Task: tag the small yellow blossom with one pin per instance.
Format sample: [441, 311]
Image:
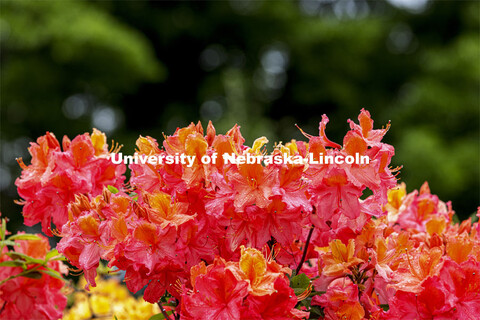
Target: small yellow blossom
[109, 299]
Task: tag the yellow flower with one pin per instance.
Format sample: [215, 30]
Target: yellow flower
[109, 299]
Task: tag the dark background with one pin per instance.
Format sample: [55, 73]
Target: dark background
[138, 67]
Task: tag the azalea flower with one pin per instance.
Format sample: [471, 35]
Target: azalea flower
[221, 240]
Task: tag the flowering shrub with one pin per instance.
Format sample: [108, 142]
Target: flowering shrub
[30, 277]
[286, 240]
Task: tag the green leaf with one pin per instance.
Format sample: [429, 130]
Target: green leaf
[3, 230]
[115, 317]
[167, 304]
[299, 283]
[112, 189]
[52, 253]
[316, 310]
[59, 258]
[32, 274]
[22, 256]
[52, 273]
[134, 196]
[159, 316]
[474, 217]
[23, 237]
[316, 293]
[12, 263]
[385, 307]
[8, 243]
[455, 219]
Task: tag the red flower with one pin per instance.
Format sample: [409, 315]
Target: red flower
[279, 305]
[53, 179]
[216, 295]
[28, 298]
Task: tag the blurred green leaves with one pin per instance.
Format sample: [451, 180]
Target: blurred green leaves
[53, 49]
[77, 33]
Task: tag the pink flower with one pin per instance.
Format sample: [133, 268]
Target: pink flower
[53, 179]
[216, 295]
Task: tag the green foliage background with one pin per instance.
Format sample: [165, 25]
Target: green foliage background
[141, 67]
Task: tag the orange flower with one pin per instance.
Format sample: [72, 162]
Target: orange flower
[258, 271]
[340, 258]
[163, 212]
[416, 267]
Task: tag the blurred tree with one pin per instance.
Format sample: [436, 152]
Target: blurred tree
[63, 63]
[439, 107]
[265, 65]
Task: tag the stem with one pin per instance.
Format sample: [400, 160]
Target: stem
[3, 307]
[19, 274]
[176, 315]
[163, 310]
[304, 255]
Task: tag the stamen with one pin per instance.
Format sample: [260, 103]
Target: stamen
[21, 164]
[305, 293]
[56, 233]
[309, 136]
[115, 148]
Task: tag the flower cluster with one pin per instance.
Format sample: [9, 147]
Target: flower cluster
[413, 261]
[30, 278]
[280, 241]
[252, 288]
[53, 178]
[180, 215]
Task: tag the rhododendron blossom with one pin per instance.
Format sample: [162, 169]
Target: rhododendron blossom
[283, 240]
[54, 177]
[30, 278]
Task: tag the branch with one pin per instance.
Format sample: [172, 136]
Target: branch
[163, 310]
[304, 255]
[176, 315]
[3, 306]
[20, 274]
